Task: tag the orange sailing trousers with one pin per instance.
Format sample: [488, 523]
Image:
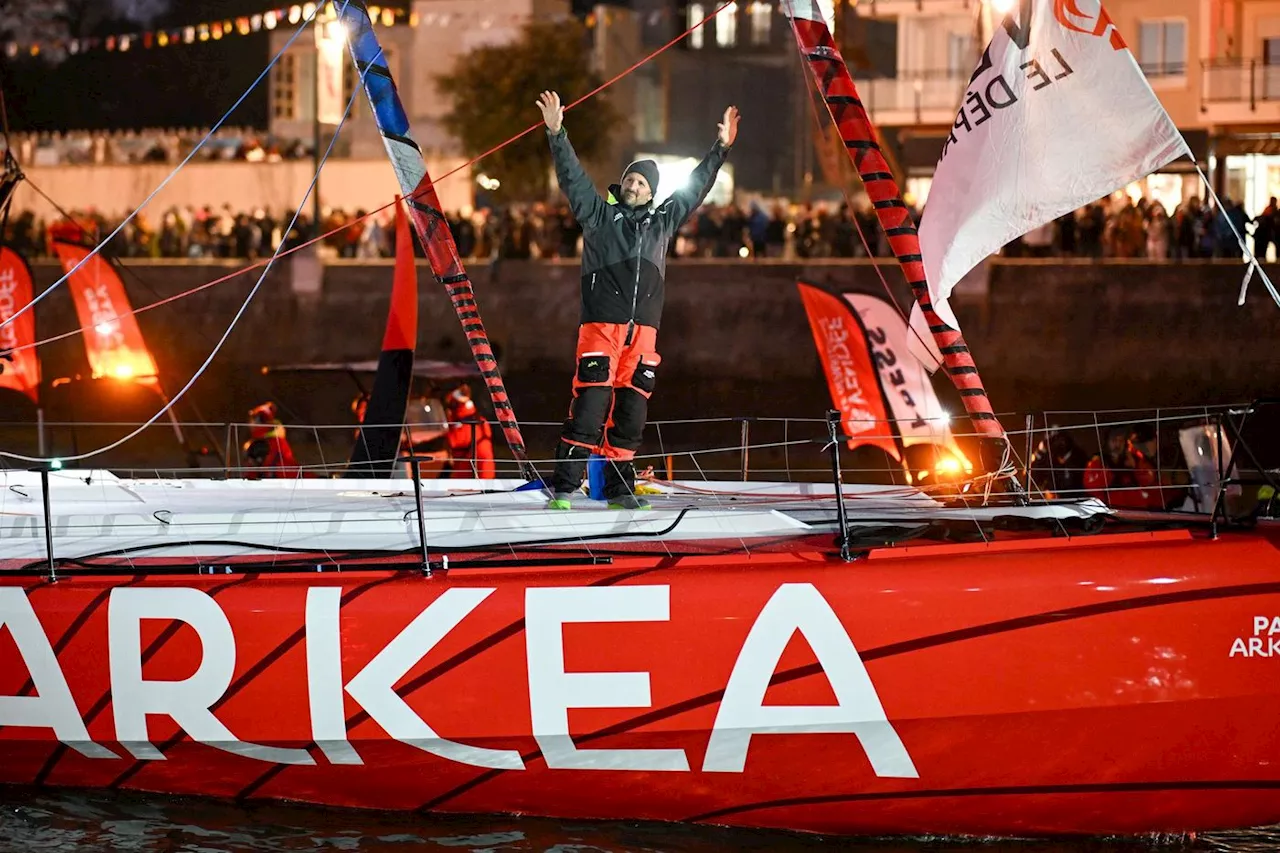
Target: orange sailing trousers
[616, 371]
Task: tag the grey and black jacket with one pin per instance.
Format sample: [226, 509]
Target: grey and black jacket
[624, 249]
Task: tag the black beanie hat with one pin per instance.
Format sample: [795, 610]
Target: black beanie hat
[648, 170]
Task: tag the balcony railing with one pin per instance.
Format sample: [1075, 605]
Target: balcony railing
[1240, 81]
[912, 91]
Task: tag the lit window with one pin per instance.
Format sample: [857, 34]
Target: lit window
[696, 16]
[727, 26]
[761, 22]
[284, 88]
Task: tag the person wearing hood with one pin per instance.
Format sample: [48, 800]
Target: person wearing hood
[624, 250]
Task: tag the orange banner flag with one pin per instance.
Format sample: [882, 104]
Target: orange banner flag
[21, 368]
[112, 338]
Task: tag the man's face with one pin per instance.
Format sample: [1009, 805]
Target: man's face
[635, 190]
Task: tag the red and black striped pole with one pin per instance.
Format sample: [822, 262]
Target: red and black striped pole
[426, 214]
[816, 45]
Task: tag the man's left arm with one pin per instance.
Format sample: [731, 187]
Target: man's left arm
[684, 201]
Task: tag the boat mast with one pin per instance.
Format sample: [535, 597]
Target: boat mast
[425, 212]
[834, 82]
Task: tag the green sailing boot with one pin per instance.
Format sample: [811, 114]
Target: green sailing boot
[560, 500]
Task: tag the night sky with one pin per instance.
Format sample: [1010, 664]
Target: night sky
[176, 86]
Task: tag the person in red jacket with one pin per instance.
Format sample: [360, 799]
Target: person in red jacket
[467, 428]
[1122, 477]
[267, 447]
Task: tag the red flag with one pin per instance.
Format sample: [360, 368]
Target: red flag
[21, 368]
[846, 358]
[402, 322]
[112, 338]
[378, 442]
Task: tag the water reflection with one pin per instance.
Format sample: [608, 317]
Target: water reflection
[43, 820]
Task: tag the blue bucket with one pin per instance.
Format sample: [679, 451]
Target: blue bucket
[595, 476]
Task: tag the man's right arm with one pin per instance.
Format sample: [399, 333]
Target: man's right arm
[588, 208]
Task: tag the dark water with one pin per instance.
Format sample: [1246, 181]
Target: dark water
[54, 821]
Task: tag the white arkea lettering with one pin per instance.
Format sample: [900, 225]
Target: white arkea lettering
[374, 686]
[552, 691]
[186, 702]
[800, 607]
[53, 706]
[324, 675]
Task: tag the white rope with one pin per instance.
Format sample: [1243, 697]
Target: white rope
[1250, 261]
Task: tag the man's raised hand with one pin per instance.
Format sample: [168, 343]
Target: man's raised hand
[552, 112]
[728, 127]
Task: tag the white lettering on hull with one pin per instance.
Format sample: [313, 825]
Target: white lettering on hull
[800, 607]
[374, 686]
[186, 702]
[552, 691]
[52, 706]
[1264, 643]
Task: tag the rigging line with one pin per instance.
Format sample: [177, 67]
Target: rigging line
[226, 334]
[810, 89]
[24, 309]
[465, 166]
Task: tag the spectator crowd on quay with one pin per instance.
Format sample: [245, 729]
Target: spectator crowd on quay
[1104, 229]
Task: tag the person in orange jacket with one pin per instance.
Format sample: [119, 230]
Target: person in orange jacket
[468, 429]
[267, 447]
[1122, 477]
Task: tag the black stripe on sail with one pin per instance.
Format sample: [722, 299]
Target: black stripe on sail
[911, 259]
[939, 329]
[453, 279]
[369, 69]
[403, 140]
[954, 350]
[423, 207]
[973, 392]
[868, 144]
[982, 416]
[876, 176]
[886, 204]
[847, 100]
[956, 371]
[902, 231]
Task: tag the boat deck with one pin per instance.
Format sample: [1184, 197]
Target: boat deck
[97, 516]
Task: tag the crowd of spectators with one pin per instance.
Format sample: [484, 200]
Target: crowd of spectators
[169, 145]
[1117, 228]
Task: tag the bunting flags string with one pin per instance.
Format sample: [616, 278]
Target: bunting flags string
[295, 14]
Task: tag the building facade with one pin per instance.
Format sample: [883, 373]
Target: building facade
[1215, 64]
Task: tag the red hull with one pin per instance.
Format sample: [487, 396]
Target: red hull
[1090, 685]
